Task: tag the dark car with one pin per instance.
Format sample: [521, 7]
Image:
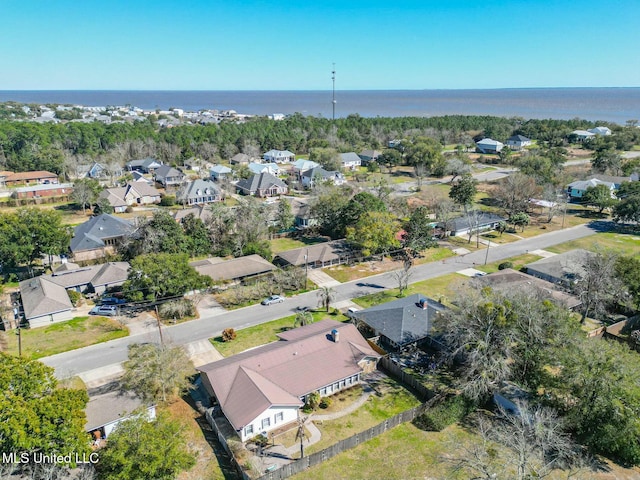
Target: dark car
[112, 301]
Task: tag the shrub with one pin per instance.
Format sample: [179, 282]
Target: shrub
[450, 411]
[505, 265]
[177, 309]
[129, 209]
[168, 200]
[228, 334]
[75, 297]
[325, 402]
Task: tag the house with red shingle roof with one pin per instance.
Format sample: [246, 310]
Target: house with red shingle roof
[261, 389]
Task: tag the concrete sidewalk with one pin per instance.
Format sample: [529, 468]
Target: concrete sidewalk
[321, 279]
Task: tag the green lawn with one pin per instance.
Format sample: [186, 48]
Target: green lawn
[518, 262]
[404, 452]
[282, 244]
[391, 399]
[64, 336]
[440, 288]
[625, 243]
[264, 333]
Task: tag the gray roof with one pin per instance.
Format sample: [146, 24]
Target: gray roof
[109, 407]
[402, 321]
[92, 233]
[564, 267]
[349, 157]
[220, 169]
[199, 188]
[236, 268]
[167, 171]
[518, 138]
[593, 182]
[200, 211]
[241, 158]
[484, 219]
[319, 172]
[42, 297]
[262, 181]
[144, 162]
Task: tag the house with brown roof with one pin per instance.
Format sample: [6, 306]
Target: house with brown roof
[261, 389]
[262, 185]
[316, 256]
[133, 193]
[30, 178]
[239, 268]
[3, 177]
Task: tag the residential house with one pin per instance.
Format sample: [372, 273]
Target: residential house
[581, 135]
[316, 256]
[258, 168]
[518, 142]
[476, 221]
[600, 131]
[509, 279]
[350, 160]
[302, 165]
[303, 217]
[105, 412]
[219, 172]
[240, 159]
[144, 165]
[262, 389]
[279, 156]
[137, 176]
[577, 189]
[367, 156]
[43, 190]
[98, 237]
[401, 323]
[316, 175]
[133, 193]
[263, 185]
[192, 164]
[3, 177]
[235, 269]
[99, 171]
[489, 146]
[40, 177]
[564, 268]
[169, 176]
[45, 299]
[199, 192]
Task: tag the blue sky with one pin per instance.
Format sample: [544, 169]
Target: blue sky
[291, 45]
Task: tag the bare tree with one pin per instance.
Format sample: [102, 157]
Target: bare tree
[445, 210]
[514, 192]
[403, 275]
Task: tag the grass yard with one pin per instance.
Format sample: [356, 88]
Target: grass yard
[625, 243]
[72, 382]
[495, 237]
[64, 336]
[282, 244]
[392, 399]
[518, 262]
[211, 460]
[264, 333]
[347, 273]
[441, 288]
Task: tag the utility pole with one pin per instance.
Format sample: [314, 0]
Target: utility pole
[159, 326]
[333, 101]
[306, 270]
[486, 257]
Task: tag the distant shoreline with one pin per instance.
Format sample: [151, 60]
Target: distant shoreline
[607, 104]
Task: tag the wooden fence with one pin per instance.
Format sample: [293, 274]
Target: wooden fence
[223, 441]
[394, 370]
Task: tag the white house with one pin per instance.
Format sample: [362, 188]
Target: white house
[350, 160]
[259, 168]
[487, 145]
[582, 135]
[600, 131]
[302, 165]
[279, 156]
[578, 188]
[518, 142]
[261, 389]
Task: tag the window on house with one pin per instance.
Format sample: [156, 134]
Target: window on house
[279, 417]
[248, 430]
[266, 422]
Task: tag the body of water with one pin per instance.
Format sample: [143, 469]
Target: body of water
[607, 104]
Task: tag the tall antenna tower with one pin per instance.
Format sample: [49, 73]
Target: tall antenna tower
[333, 101]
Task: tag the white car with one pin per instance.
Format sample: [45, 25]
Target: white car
[105, 310]
[273, 299]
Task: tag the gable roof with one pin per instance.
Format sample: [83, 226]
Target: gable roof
[109, 407]
[36, 175]
[91, 234]
[42, 297]
[304, 164]
[198, 188]
[319, 172]
[349, 157]
[202, 211]
[166, 171]
[592, 182]
[220, 169]
[277, 154]
[483, 219]
[489, 142]
[403, 321]
[518, 138]
[264, 167]
[241, 267]
[262, 181]
[281, 372]
[241, 158]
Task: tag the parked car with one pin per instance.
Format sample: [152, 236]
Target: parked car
[106, 310]
[273, 299]
[351, 313]
[112, 301]
[303, 309]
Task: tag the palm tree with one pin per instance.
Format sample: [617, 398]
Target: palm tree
[326, 296]
[302, 319]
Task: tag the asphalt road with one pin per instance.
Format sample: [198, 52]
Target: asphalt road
[101, 355]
